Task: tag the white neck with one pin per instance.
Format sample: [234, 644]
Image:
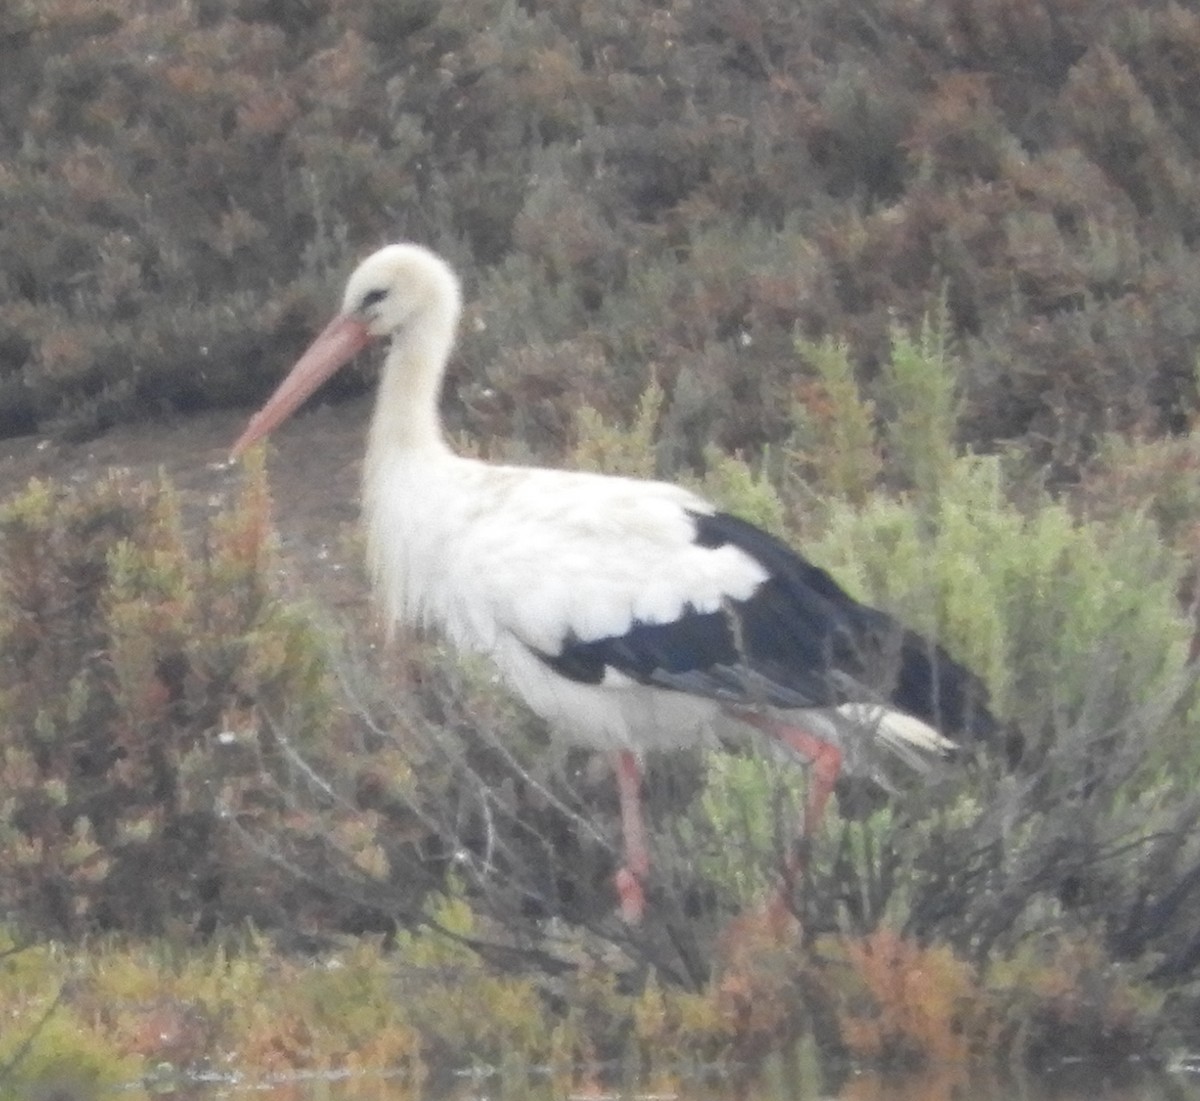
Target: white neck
[406, 416]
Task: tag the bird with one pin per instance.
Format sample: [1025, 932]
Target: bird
[631, 615]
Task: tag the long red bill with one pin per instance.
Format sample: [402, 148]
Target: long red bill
[343, 338]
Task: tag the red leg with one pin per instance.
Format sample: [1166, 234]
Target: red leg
[633, 829]
[826, 762]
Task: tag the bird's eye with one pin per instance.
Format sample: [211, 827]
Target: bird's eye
[370, 298]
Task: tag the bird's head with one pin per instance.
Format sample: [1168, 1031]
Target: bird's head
[401, 287]
[400, 292]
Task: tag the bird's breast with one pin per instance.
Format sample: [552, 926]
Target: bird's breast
[417, 519]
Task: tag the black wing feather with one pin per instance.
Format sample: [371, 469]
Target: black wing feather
[798, 641]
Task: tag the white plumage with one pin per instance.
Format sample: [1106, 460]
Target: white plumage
[629, 614]
[504, 562]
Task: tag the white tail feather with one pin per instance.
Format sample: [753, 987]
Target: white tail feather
[916, 743]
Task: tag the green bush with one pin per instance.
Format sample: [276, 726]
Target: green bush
[1081, 820]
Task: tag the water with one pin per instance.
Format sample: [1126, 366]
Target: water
[1070, 1083]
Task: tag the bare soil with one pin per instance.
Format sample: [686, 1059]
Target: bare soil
[314, 466]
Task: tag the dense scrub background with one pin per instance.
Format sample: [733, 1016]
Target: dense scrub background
[682, 186]
[929, 271]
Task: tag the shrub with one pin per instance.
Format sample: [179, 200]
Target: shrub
[153, 700]
[1074, 622]
[687, 189]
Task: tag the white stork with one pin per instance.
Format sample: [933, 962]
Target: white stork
[630, 615]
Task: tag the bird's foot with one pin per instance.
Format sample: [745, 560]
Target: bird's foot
[633, 898]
